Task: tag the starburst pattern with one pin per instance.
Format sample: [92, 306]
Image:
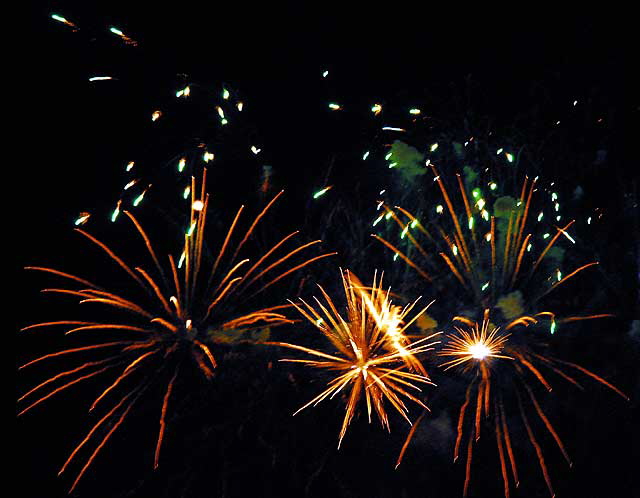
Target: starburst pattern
[498, 364]
[490, 256]
[372, 351]
[168, 318]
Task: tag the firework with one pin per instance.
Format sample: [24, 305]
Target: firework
[374, 358]
[184, 308]
[491, 256]
[498, 363]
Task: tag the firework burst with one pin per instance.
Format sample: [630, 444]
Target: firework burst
[182, 310]
[490, 256]
[374, 358]
[498, 363]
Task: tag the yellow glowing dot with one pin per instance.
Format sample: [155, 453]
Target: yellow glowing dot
[197, 205]
[156, 115]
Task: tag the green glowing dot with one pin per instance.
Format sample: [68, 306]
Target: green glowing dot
[433, 147]
[116, 31]
[493, 185]
[365, 155]
[225, 93]
[509, 157]
[552, 329]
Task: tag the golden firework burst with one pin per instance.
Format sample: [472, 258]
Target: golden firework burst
[371, 351]
[484, 353]
[168, 317]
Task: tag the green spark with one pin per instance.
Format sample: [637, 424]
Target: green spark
[138, 199]
[321, 192]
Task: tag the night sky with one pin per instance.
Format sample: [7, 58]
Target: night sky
[518, 71]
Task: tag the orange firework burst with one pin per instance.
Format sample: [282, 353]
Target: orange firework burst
[372, 350]
[489, 354]
[180, 310]
[492, 256]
